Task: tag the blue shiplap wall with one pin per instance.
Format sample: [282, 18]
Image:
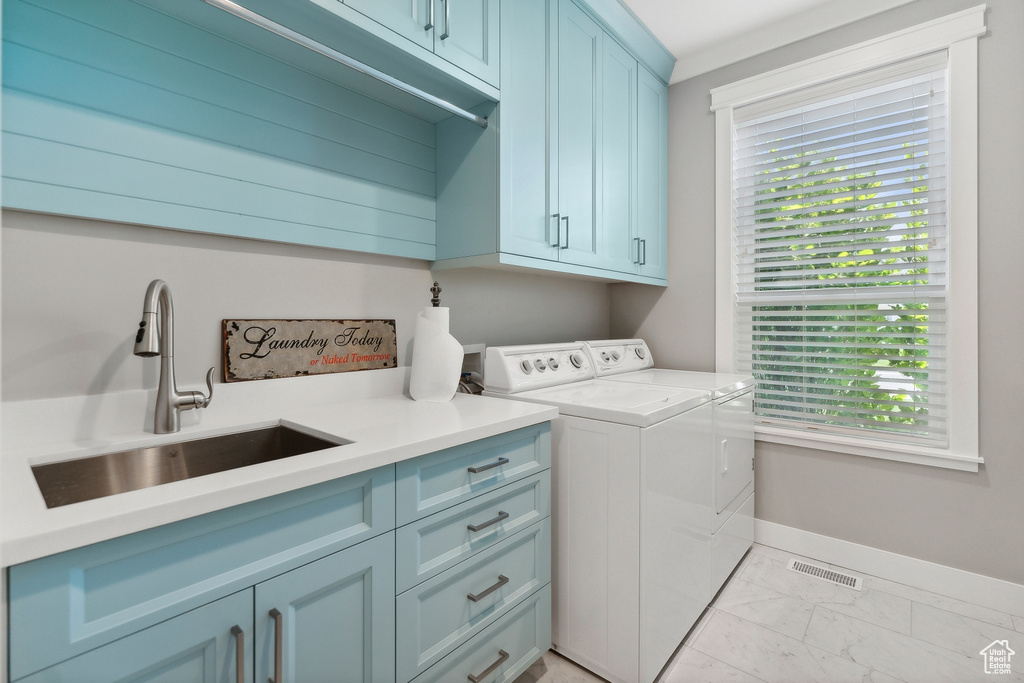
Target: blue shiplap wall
[113, 110]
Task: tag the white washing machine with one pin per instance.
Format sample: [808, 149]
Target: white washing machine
[630, 470]
[732, 524]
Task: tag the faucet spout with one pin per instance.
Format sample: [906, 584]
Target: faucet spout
[152, 340]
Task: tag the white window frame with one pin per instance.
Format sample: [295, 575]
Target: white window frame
[958, 34]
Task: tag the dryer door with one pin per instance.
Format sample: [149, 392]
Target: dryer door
[734, 448]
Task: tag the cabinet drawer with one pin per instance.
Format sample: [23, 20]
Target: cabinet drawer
[438, 615]
[94, 595]
[433, 482]
[524, 634]
[430, 545]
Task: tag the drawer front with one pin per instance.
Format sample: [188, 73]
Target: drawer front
[430, 545]
[438, 615]
[433, 482]
[94, 595]
[514, 642]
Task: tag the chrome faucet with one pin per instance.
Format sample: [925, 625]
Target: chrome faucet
[149, 341]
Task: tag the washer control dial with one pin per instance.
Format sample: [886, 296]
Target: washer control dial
[576, 359]
[640, 353]
[526, 367]
[540, 365]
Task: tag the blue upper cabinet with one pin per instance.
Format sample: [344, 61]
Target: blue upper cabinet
[411, 19]
[581, 186]
[579, 147]
[463, 32]
[651, 227]
[467, 34]
[618, 135]
[179, 115]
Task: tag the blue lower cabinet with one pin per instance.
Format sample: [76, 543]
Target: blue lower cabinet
[302, 588]
[200, 646]
[441, 613]
[331, 620]
[503, 652]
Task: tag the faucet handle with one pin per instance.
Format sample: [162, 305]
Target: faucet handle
[203, 401]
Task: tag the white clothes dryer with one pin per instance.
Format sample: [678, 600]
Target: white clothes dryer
[732, 522]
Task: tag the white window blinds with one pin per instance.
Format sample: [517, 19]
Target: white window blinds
[841, 254]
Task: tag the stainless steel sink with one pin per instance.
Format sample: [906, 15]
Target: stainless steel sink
[73, 481]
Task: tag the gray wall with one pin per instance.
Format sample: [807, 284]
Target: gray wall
[965, 520]
[73, 290]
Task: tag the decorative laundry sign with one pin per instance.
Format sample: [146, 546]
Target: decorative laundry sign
[269, 349]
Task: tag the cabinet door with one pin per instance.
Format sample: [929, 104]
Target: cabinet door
[408, 18]
[617, 172]
[528, 228]
[197, 646]
[579, 114]
[466, 34]
[650, 248]
[337, 618]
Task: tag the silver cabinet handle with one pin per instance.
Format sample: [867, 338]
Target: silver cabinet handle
[278, 644]
[447, 19]
[239, 635]
[643, 261]
[637, 259]
[484, 468]
[430, 17]
[478, 527]
[558, 230]
[502, 656]
[566, 246]
[502, 580]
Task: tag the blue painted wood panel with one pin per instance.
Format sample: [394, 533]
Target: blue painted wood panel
[472, 42]
[437, 615]
[197, 646]
[338, 617]
[528, 89]
[431, 545]
[525, 634]
[579, 123]
[652, 174]
[183, 129]
[617, 172]
[433, 482]
[96, 594]
[407, 18]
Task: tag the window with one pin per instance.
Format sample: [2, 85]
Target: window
[847, 240]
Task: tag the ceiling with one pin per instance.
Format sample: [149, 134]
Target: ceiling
[708, 34]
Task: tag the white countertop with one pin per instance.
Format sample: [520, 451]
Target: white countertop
[384, 425]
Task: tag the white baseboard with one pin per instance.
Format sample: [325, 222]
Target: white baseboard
[1003, 596]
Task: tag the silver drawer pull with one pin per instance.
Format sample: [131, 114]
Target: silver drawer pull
[484, 468]
[239, 635]
[477, 527]
[502, 580]
[278, 618]
[502, 656]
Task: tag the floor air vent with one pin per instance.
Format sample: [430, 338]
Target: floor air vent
[825, 574]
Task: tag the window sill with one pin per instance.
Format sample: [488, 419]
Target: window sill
[932, 457]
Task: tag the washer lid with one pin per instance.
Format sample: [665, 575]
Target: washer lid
[640, 405]
[718, 382]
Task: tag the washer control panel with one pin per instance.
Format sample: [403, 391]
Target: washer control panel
[511, 369]
[614, 356]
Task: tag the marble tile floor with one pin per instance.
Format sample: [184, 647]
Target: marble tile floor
[773, 625]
